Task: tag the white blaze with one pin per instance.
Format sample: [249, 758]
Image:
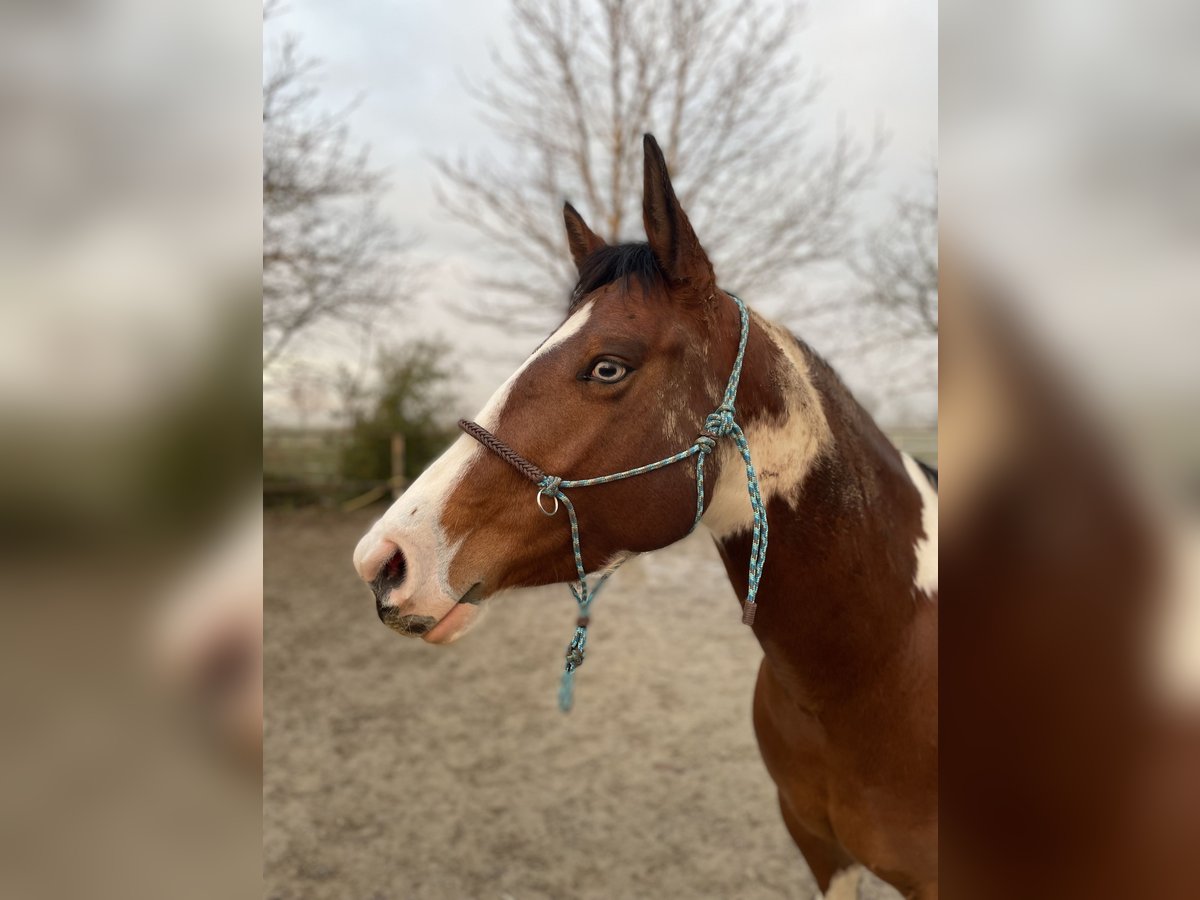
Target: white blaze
[415, 519]
[489, 416]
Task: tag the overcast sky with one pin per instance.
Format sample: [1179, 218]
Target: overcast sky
[408, 60]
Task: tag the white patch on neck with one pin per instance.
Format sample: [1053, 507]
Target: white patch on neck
[783, 449]
[926, 548]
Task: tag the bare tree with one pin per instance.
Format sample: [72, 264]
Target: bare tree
[328, 256]
[720, 85]
[900, 269]
[890, 317]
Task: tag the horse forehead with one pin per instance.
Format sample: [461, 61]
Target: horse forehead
[454, 468]
[575, 323]
[610, 306]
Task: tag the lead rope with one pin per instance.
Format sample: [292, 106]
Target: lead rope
[718, 424]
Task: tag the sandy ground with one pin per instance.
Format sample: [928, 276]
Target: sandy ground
[394, 769]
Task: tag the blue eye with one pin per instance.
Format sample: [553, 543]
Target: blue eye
[608, 371]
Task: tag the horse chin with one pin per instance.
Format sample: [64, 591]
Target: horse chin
[461, 619]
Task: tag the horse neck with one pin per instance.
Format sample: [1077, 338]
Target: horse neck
[838, 599]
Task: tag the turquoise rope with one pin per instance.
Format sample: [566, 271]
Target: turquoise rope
[718, 424]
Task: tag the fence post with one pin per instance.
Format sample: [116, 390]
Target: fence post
[397, 480]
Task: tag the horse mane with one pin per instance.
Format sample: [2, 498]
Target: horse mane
[617, 262]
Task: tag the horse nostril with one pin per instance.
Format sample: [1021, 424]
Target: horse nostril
[395, 567]
[390, 576]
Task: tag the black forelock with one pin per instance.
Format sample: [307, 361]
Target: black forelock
[617, 262]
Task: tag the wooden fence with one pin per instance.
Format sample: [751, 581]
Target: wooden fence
[304, 465]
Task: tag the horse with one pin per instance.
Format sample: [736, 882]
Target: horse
[846, 612]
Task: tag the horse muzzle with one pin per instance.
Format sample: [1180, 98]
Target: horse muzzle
[409, 598]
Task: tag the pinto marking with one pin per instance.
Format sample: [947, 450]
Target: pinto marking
[846, 883]
[783, 449]
[925, 550]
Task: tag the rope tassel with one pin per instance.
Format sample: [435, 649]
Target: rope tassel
[575, 653]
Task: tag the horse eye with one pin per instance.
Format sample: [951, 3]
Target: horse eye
[608, 371]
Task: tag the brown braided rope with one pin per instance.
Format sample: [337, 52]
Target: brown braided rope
[502, 450]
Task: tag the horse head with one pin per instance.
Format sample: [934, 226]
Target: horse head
[629, 376]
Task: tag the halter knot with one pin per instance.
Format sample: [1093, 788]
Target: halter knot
[720, 422]
[706, 442]
[549, 485]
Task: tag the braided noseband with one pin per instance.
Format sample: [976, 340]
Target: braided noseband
[718, 424]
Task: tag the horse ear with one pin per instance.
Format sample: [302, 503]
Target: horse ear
[671, 237]
[581, 239]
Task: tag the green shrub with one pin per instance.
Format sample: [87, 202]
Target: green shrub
[411, 393]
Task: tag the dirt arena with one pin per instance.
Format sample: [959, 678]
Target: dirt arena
[394, 769]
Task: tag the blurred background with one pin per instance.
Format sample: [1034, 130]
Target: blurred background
[416, 159]
[150, 150]
[130, 569]
[1069, 392]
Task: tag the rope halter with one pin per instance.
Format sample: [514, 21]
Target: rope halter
[720, 423]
